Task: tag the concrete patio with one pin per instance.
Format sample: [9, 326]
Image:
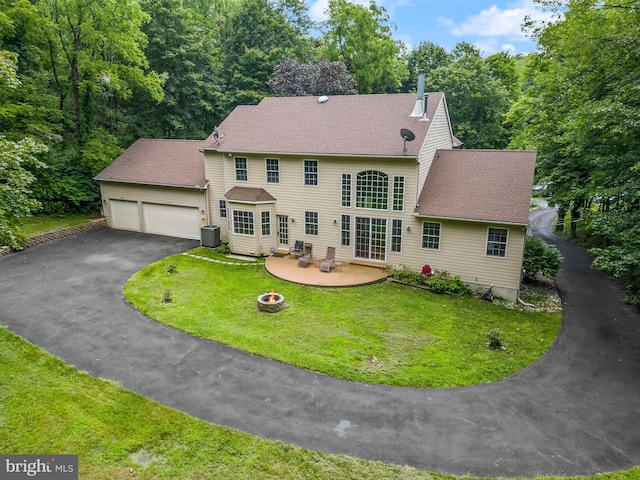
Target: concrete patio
[342, 275]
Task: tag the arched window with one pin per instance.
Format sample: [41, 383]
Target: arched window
[372, 190]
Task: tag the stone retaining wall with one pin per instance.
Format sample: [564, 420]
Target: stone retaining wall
[60, 233]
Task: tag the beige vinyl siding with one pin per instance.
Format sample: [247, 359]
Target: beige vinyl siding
[463, 252]
[214, 165]
[439, 136]
[256, 244]
[293, 198]
[141, 194]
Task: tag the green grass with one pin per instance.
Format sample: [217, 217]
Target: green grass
[383, 333]
[48, 407]
[45, 223]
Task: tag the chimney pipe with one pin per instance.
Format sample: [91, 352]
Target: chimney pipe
[421, 84]
[420, 107]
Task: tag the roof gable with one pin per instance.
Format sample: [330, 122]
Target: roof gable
[479, 185]
[367, 125]
[177, 163]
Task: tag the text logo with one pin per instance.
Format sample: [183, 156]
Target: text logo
[49, 467]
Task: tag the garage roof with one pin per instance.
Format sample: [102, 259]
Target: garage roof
[177, 163]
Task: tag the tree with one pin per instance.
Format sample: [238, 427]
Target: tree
[361, 38]
[185, 53]
[581, 113]
[258, 36]
[96, 58]
[291, 78]
[478, 101]
[428, 57]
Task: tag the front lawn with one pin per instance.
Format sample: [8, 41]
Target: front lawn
[48, 407]
[382, 333]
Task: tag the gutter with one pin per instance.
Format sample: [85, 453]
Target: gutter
[313, 155]
[199, 187]
[474, 220]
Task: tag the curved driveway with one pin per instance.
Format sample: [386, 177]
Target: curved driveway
[574, 412]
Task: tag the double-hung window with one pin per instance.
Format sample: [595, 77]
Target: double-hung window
[266, 222]
[345, 231]
[272, 166]
[222, 205]
[431, 235]
[396, 236]
[497, 242]
[346, 190]
[311, 172]
[398, 194]
[311, 223]
[242, 173]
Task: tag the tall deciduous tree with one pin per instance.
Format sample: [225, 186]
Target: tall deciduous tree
[426, 56]
[184, 52]
[361, 37]
[291, 78]
[478, 101]
[582, 114]
[96, 58]
[258, 35]
[16, 157]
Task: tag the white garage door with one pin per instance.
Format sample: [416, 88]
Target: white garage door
[171, 220]
[124, 215]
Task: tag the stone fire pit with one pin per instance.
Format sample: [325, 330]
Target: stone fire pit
[271, 302]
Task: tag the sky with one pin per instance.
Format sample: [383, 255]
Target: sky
[491, 25]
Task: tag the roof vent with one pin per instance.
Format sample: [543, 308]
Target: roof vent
[323, 99]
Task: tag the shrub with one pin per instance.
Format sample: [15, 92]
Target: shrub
[166, 297]
[540, 258]
[458, 287]
[171, 267]
[495, 339]
[223, 248]
[438, 285]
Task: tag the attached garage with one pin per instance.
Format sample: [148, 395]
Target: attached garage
[171, 220]
[125, 215]
[157, 186]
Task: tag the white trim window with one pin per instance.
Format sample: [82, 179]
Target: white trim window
[431, 235]
[497, 239]
[345, 231]
[242, 171]
[272, 170]
[396, 235]
[311, 173]
[266, 223]
[222, 206]
[243, 222]
[372, 190]
[346, 190]
[311, 223]
[398, 194]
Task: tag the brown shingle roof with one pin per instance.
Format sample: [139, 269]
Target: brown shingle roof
[481, 185]
[344, 125]
[159, 162]
[249, 194]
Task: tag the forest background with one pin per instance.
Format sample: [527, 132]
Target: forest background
[80, 80]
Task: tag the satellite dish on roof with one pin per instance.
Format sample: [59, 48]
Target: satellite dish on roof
[408, 136]
[323, 99]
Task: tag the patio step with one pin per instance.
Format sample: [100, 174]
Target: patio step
[364, 263]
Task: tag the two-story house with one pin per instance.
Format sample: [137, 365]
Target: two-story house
[378, 177]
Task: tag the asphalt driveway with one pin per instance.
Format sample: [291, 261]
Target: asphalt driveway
[574, 412]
